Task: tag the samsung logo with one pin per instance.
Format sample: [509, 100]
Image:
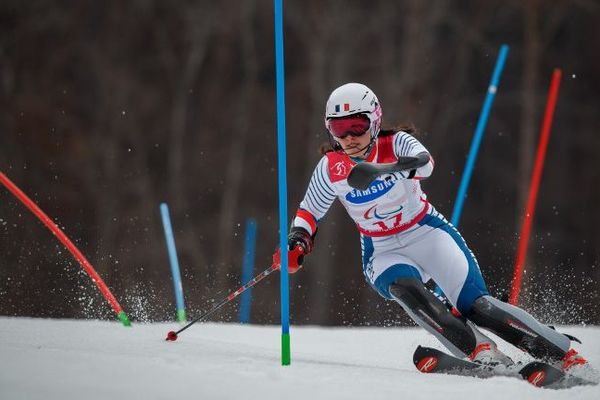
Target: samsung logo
[377, 189]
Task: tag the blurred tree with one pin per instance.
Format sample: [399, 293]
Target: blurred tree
[110, 108]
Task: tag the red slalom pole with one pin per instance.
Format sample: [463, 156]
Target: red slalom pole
[85, 264]
[534, 187]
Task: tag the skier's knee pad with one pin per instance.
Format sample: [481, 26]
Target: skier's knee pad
[404, 287]
[413, 295]
[519, 328]
[433, 315]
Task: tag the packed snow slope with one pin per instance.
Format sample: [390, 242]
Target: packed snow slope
[76, 359]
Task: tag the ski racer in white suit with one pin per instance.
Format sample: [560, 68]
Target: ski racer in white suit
[405, 241]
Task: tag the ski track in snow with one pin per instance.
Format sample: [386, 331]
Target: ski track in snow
[86, 359]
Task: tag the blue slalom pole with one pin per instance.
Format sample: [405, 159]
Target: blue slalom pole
[282, 181]
[164, 212]
[480, 129]
[247, 267]
[476, 142]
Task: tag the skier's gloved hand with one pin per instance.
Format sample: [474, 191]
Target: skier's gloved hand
[300, 243]
[300, 237]
[295, 258]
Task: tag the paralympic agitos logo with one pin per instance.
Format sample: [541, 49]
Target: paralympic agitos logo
[377, 189]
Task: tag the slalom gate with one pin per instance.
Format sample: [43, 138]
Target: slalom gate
[85, 264]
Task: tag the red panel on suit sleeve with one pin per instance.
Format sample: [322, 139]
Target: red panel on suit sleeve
[385, 151]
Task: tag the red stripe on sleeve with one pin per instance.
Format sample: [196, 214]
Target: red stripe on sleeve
[308, 217]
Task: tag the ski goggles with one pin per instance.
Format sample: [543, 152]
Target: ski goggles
[353, 125]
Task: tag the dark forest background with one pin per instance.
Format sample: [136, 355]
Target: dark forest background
[110, 108]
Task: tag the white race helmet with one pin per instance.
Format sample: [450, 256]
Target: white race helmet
[354, 98]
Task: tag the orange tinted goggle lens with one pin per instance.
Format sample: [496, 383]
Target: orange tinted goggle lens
[354, 125]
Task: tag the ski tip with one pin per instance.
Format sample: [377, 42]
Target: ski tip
[540, 374]
[427, 364]
[425, 359]
[537, 378]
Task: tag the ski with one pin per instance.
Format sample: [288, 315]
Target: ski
[540, 374]
[430, 360]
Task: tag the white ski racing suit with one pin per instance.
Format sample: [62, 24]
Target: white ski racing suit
[402, 235]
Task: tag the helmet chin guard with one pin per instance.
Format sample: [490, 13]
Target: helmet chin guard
[354, 98]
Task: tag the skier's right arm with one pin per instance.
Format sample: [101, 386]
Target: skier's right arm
[317, 200]
[319, 196]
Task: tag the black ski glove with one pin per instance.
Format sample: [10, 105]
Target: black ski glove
[300, 237]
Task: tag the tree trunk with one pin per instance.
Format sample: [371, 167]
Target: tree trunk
[234, 171]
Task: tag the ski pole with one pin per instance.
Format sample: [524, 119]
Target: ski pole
[172, 335]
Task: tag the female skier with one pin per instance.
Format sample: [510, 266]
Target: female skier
[405, 241]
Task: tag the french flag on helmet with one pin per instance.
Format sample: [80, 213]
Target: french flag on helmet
[339, 107]
[354, 98]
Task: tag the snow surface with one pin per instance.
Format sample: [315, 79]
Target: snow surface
[84, 359]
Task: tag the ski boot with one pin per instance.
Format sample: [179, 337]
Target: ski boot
[576, 365]
[486, 351]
